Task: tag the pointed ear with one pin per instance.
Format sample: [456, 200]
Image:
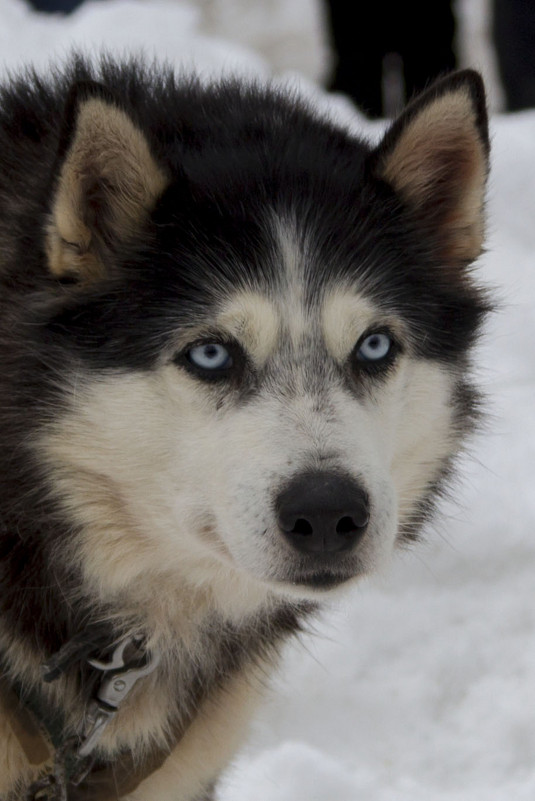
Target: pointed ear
[107, 184]
[435, 157]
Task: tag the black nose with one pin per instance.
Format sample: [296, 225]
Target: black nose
[323, 512]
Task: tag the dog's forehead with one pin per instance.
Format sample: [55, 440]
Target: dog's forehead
[298, 308]
[261, 323]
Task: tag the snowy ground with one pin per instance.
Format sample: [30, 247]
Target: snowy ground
[420, 685]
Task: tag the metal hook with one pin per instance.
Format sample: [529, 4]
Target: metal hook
[112, 692]
[117, 657]
[114, 689]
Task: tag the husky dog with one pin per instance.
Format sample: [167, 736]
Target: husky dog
[234, 356]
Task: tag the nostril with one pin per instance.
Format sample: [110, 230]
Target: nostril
[346, 526]
[302, 526]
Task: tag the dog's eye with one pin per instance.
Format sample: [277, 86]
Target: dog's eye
[210, 357]
[374, 347]
[211, 360]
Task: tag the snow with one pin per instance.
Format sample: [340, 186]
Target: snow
[418, 685]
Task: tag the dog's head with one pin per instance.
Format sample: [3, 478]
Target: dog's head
[263, 330]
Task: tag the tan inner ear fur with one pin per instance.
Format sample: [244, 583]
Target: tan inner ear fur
[439, 166]
[110, 152]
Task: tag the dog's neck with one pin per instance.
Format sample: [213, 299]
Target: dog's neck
[163, 701]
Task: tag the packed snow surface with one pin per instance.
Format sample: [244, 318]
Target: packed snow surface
[420, 684]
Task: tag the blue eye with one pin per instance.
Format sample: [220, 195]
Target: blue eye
[374, 347]
[211, 356]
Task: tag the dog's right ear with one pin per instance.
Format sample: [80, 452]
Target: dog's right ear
[435, 157]
[108, 181]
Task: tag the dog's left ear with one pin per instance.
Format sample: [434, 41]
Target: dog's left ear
[435, 157]
[108, 181]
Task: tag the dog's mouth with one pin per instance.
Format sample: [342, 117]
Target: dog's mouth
[323, 573]
[300, 570]
[318, 577]
[323, 580]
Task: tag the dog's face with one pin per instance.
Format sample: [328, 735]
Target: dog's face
[312, 433]
[279, 393]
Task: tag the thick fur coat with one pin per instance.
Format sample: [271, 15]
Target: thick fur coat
[234, 353]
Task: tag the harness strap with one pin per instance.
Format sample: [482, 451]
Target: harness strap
[105, 782]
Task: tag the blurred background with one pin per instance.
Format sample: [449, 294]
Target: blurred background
[376, 53]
